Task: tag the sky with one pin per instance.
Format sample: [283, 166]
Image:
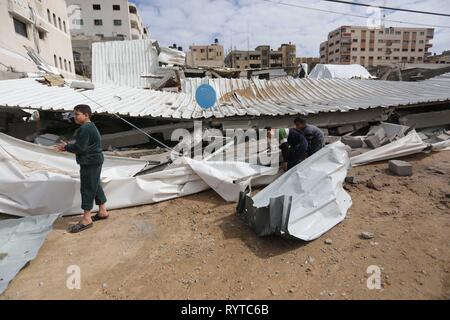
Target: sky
[245, 24]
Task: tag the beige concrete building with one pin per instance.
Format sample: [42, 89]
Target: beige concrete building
[41, 25]
[106, 18]
[443, 58]
[206, 55]
[101, 20]
[262, 57]
[373, 47]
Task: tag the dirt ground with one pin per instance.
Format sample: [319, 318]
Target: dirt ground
[196, 248]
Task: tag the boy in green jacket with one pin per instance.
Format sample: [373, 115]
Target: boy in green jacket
[89, 156]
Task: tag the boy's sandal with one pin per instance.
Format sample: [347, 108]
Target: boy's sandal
[97, 217]
[80, 227]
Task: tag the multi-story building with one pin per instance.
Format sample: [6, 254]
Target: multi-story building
[105, 18]
[41, 25]
[206, 55]
[262, 57]
[373, 47]
[101, 20]
[443, 58]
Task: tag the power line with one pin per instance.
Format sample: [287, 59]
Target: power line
[352, 14]
[389, 8]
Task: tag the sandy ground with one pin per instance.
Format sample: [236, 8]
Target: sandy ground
[196, 248]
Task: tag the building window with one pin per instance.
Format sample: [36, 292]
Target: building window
[55, 60]
[20, 27]
[79, 22]
[76, 56]
[98, 22]
[117, 22]
[96, 7]
[54, 20]
[64, 26]
[59, 23]
[380, 49]
[355, 40]
[65, 64]
[116, 7]
[363, 49]
[49, 16]
[354, 49]
[60, 63]
[41, 34]
[70, 66]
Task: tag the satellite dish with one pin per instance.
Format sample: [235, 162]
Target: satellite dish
[206, 96]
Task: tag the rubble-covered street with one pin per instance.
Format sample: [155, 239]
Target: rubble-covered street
[197, 248]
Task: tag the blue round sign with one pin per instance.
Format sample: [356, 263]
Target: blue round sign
[205, 96]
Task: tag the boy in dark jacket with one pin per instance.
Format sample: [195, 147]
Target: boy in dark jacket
[89, 156]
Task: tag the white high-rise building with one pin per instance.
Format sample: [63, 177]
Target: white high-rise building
[106, 19]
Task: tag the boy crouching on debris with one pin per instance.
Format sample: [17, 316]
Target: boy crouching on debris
[89, 156]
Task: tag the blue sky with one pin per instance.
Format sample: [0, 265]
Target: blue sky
[238, 23]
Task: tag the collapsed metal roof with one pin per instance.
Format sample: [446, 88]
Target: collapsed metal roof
[236, 97]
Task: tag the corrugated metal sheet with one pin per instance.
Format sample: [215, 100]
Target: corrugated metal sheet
[236, 97]
[122, 63]
[20, 241]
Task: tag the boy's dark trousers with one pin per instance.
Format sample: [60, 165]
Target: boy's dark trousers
[91, 188]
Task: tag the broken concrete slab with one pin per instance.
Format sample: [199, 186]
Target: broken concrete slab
[373, 142]
[353, 142]
[427, 119]
[443, 137]
[400, 168]
[344, 129]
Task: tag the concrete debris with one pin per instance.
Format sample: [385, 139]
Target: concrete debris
[373, 142]
[443, 137]
[353, 142]
[366, 235]
[328, 241]
[350, 179]
[400, 168]
[344, 129]
[427, 119]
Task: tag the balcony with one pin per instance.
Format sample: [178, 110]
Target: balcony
[20, 10]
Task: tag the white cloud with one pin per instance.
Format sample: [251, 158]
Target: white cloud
[259, 22]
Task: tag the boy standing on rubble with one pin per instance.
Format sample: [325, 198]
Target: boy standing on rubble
[89, 156]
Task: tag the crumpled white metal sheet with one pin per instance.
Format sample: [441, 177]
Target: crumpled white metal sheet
[20, 241]
[236, 97]
[311, 198]
[410, 144]
[121, 63]
[36, 180]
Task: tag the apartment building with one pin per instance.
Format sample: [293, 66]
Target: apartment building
[373, 47]
[443, 58]
[106, 18]
[262, 57]
[38, 24]
[206, 55]
[101, 20]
